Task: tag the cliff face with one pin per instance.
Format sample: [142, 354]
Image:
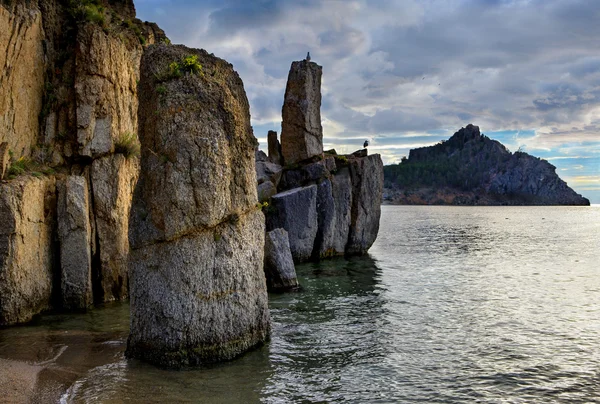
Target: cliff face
[471, 169]
[68, 116]
[21, 86]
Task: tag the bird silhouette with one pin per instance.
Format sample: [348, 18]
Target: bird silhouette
[308, 56]
[365, 144]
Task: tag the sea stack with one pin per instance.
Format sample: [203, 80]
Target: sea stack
[301, 130]
[197, 286]
[328, 204]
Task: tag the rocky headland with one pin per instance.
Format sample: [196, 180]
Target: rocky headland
[472, 169]
[129, 170]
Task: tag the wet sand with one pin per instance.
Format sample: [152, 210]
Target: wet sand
[18, 381]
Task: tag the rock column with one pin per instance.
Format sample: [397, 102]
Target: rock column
[301, 130]
[197, 286]
[74, 233]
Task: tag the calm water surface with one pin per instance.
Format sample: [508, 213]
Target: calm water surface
[477, 304]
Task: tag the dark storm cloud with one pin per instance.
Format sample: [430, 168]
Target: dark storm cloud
[393, 70]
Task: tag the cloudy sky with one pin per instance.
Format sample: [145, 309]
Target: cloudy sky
[408, 73]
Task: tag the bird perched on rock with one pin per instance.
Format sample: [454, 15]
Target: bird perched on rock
[308, 56]
[365, 144]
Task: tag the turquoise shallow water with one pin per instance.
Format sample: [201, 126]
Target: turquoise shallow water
[454, 304]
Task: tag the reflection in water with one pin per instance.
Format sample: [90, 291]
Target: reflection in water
[453, 305]
[327, 337]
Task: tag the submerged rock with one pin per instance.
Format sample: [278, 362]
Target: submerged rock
[279, 263]
[301, 130]
[27, 209]
[74, 234]
[197, 285]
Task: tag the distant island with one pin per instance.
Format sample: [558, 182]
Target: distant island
[472, 169]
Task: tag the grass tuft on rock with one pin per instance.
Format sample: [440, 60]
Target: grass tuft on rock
[128, 145]
[25, 165]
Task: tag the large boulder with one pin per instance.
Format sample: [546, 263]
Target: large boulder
[301, 130]
[279, 264]
[267, 171]
[197, 285]
[367, 190]
[200, 299]
[296, 212]
[74, 234]
[27, 206]
[266, 190]
[303, 175]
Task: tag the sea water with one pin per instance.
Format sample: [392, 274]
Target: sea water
[453, 304]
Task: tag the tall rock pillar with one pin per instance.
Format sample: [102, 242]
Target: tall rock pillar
[301, 130]
[197, 286]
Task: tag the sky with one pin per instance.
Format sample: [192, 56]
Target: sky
[409, 73]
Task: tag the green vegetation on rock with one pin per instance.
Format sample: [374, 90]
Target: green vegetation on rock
[127, 145]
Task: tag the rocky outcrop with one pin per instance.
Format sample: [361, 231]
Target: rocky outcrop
[328, 204]
[197, 286]
[74, 235]
[472, 169]
[279, 263]
[329, 213]
[301, 130]
[27, 216]
[107, 71]
[296, 212]
[367, 184]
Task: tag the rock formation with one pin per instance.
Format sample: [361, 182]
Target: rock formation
[279, 263]
[197, 286]
[472, 169]
[295, 211]
[275, 154]
[68, 113]
[328, 204]
[74, 234]
[301, 130]
[27, 251]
